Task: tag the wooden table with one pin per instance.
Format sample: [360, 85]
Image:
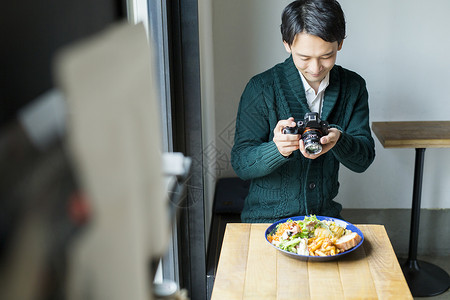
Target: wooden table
[424, 279]
[424, 134]
[249, 268]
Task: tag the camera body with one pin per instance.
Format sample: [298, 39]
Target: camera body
[311, 129]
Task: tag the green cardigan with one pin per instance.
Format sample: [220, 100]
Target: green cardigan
[283, 187]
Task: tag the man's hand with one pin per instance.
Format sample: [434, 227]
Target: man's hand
[328, 141]
[286, 143]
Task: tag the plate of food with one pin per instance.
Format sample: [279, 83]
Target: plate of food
[314, 238]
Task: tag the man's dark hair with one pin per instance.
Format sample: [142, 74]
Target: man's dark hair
[322, 18]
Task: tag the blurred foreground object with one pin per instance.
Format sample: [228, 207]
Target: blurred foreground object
[41, 215]
[113, 134]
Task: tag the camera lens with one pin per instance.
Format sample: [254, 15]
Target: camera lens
[313, 148]
[311, 138]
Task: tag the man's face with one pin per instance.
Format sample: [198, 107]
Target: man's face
[313, 56]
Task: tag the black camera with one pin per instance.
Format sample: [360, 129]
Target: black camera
[311, 130]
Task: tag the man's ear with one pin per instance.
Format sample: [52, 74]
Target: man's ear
[340, 45]
[287, 47]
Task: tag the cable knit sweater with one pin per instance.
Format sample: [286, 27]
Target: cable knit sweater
[282, 187]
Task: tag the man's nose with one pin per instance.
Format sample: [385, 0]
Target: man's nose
[315, 66]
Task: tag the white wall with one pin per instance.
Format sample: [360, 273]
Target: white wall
[402, 50]
[208, 103]
[247, 40]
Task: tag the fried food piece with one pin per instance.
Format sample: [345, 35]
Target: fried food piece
[348, 241]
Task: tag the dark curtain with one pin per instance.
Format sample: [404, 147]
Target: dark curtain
[187, 135]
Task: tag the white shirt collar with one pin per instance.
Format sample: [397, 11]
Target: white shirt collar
[315, 101]
[323, 84]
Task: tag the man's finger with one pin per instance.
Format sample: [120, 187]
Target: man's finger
[285, 123]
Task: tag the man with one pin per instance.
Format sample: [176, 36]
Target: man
[286, 182]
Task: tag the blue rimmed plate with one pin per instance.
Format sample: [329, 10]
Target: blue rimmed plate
[339, 222]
